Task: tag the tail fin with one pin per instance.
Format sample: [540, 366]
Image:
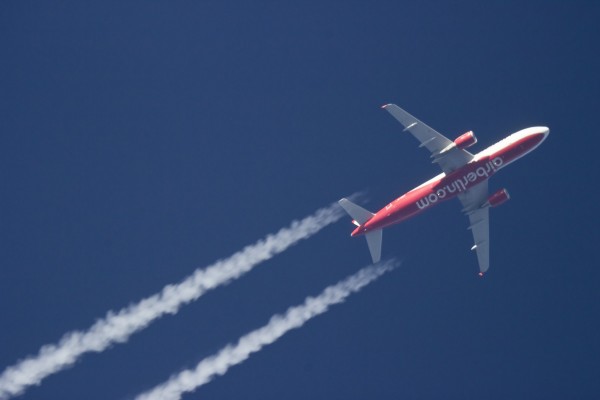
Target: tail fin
[360, 216]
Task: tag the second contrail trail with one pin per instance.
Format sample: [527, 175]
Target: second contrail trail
[294, 317]
[117, 327]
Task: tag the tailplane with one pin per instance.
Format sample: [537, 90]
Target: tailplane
[374, 240]
[360, 216]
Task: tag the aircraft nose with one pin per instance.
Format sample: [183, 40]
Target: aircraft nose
[545, 131]
[539, 132]
[536, 130]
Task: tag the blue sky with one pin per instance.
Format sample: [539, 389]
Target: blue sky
[141, 141]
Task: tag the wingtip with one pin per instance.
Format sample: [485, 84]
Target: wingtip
[480, 274]
[386, 105]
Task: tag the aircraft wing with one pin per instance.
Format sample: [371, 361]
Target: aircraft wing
[435, 142]
[479, 221]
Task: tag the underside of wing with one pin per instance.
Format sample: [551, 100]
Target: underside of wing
[480, 226]
[441, 148]
[473, 201]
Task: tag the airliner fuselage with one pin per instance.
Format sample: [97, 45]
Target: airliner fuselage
[444, 187]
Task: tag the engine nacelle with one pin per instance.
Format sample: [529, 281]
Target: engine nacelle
[498, 198]
[465, 140]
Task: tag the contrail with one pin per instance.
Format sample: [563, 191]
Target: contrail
[294, 317]
[117, 327]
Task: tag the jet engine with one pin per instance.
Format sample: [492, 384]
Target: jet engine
[500, 197]
[465, 140]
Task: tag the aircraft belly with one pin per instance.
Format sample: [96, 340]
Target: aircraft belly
[438, 191]
[395, 214]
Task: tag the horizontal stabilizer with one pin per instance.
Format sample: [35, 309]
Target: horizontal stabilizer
[374, 239]
[358, 213]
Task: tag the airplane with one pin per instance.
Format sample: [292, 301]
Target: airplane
[465, 175]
